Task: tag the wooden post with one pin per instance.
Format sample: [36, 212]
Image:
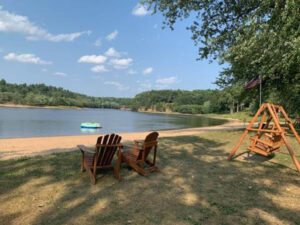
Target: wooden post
[290, 124]
[246, 131]
[261, 123]
[294, 158]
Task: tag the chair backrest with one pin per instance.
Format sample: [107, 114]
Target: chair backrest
[277, 140]
[106, 148]
[149, 143]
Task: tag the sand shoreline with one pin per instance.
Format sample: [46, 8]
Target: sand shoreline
[27, 147]
[8, 105]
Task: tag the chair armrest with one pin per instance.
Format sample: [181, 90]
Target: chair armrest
[131, 147]
[85, 149]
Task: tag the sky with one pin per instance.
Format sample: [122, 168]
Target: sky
[97, 47]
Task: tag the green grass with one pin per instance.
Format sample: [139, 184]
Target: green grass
[241, 116]
[197, 185]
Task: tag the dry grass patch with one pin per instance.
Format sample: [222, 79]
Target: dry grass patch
[197, 185]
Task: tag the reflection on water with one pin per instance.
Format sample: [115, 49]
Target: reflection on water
[89, 130]
[32, 122]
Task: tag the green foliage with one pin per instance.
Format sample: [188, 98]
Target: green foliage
[192, 102]
[160, 107]
[252, 37]
[191, 109]
[42, 95]
[206, 107]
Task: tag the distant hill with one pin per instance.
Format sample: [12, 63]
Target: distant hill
[192, 102]
[43, 95]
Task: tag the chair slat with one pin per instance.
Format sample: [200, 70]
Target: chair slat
[110, 149]
[107, 150]
[117, 140]
[103, 149]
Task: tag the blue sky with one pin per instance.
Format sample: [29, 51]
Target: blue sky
[100, 48]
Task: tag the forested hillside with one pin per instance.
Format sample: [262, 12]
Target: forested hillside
[198, 101]
[42, 95]
[224, 100]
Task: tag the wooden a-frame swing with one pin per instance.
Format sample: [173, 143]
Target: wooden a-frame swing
[269, 137]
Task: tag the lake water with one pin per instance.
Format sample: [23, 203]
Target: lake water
[34, 122]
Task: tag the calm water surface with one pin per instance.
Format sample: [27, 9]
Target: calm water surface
[31, 122]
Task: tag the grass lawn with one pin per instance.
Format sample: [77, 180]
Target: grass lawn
[197, 185]
[241, 116]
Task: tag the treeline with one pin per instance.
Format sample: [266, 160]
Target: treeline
[193, 102]
[42, 95]
[229, 99]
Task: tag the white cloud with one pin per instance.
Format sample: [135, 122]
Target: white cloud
[13, 23]
[58, 37]
[44, 70]
[96, 59]
[140, 10]
[121, 63]
[99, 69]
[98, 42]
[167, 81]
[132, 72]
[118, 85]
[26, 58]
[112, 35]
[148, 70]
[60, 74]
[112, 53]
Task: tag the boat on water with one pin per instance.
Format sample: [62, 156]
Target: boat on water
[90, 125]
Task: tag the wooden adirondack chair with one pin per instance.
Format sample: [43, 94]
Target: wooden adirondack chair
[137, 156]
[105, 149]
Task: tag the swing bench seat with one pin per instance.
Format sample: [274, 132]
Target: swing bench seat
[267, 146]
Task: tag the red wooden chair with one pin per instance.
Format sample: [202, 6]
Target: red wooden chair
[102, 156]
[137, 156]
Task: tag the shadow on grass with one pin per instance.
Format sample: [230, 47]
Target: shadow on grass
[197, 185]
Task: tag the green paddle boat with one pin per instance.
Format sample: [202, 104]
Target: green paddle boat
[90, 125]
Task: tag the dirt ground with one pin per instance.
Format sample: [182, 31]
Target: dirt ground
[196, 185]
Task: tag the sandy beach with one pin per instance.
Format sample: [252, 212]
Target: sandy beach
[8, 105]
[20, 147]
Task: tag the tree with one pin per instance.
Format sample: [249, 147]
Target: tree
[253, 37]
[42, 95]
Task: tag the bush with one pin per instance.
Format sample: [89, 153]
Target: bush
[191, 109]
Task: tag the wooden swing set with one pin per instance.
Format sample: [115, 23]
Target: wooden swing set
[269, 136]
